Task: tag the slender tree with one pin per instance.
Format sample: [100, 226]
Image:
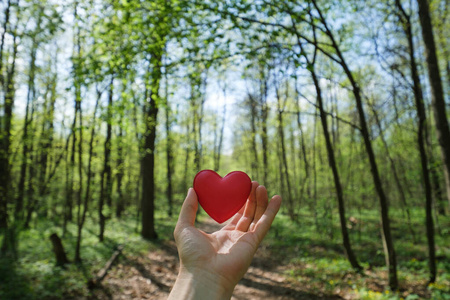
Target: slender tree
[31, 94]
[391, 260]
[106, 176]
[331, 157]
[280, 110]
[120, 168]
[151, 109]
[422, 134]
[437, 92]
[252, 105]
[218, 148]
[90, 175]
[5, 135]
[169, 149]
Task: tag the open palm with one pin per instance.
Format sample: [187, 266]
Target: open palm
[228, 252]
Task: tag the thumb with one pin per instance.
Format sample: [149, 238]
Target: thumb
[188, 210]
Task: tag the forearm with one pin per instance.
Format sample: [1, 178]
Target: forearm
[199, 285]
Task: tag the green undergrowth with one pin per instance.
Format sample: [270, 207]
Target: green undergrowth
[313, 255]
[34, 275]
[316, 258]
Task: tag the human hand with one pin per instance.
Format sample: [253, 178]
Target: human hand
[212, 264]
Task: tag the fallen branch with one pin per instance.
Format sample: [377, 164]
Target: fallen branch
[94, 282]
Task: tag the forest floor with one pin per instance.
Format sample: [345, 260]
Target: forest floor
[153, 275]
[296, 260]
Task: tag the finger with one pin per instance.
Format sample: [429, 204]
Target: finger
[263, 225]
[235, 219]
[188, 210]
[261, 204]
[249, 211]
[240, 213]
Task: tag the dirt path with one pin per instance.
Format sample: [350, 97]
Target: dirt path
[152, 277]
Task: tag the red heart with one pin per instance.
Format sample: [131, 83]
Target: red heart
[221, 197]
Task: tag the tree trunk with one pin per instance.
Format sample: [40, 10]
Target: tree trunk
[254, 150]
[388, 244]
[395, 173]
[148, 161]
[283, 154]
[422, 137]
[197, 102]
[436, 185]
[28, 119]
[337, 181]
[33, 201]
[46, 138]
[58, 249]
[108, 144]
[194, 108]
[90, 175]
[5, 139]
[78, 81]
[186, 160]
[437, 93]
[314, 169]
[4, 31]
[200, 117]
[293, 160]
[303, 147]
[106, 179]
[263, 114]
[70, 170]
[120, 170]
[169, 156]
[264, 139]
[219, 146]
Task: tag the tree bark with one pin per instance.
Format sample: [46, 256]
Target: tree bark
[395, 173]
[264, 137]
[58, 249]
[5, 139]
[120, 170]
[253, 121]
[195, 117]
[197, 104]
[148, 161]
[78, 81]
[46, 138]
[186, 160]
[333, 165]
[218, 151]
[108, 145]
[169, 156]
[422, 137]
[106, 178]
[303, 147]
[283, 153]
[388, 244]
[337, 182]
[27, 122]
[90, 175]
[314, 171]
[437, 93]
[4, 31]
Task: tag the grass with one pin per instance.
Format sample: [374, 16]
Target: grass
[313, 257]
[316, 258]
[34, 275]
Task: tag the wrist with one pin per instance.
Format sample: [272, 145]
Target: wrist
[194, 283]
